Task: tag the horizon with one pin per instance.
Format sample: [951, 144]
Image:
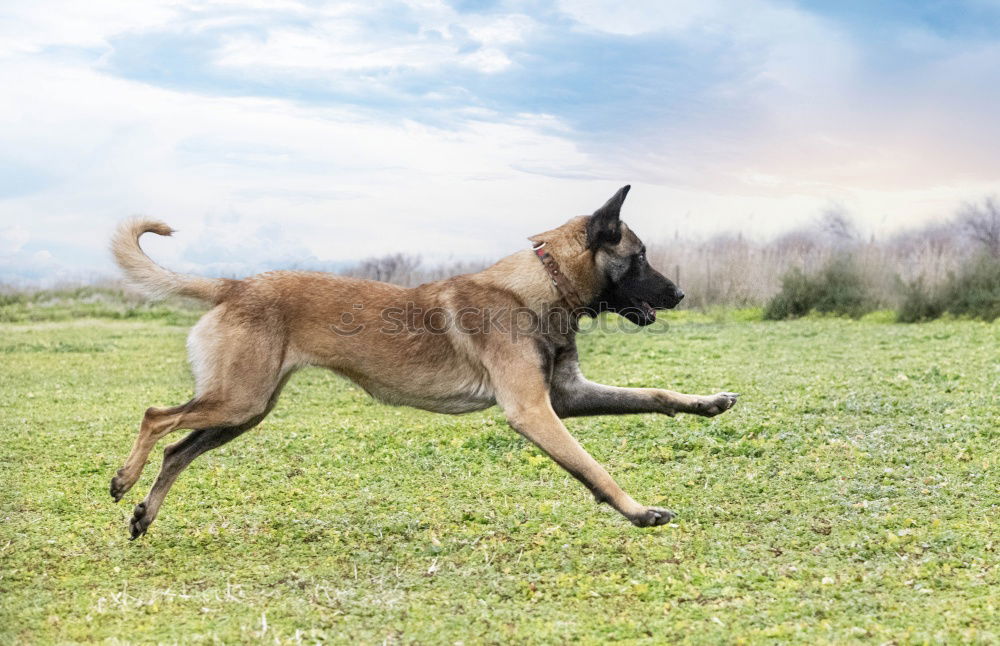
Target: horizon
[282, 133]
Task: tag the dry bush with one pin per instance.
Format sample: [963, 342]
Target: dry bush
[408, 270]
[907, 271]
[735, 271]
[982, 224]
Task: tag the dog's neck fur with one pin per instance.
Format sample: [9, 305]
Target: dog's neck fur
[568, 245]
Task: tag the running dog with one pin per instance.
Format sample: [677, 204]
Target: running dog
[504, 336]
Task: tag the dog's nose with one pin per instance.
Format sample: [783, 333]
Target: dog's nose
[680, 295]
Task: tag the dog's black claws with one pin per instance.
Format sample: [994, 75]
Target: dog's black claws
[718, 403]
[118, 488]
[653, 517]
[139, 523]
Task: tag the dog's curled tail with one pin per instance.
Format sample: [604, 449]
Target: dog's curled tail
[146, 274]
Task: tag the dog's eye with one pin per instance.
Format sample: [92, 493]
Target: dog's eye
[641, 258]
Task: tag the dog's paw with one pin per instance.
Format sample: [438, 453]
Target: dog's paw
[651, 517]
[119, 486]
[714, 404]
[140, 521]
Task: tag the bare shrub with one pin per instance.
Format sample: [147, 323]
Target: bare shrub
[394, 268]
[982, 224]
[909, 270]
[838, 226]
[408, 270]
[735, 271]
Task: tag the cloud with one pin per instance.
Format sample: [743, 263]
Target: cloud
[365, 38]
[642, 16]
[345, 184]
[12, 238]
[20, 263]
[31, 27]
[229, 245]
[455, 129]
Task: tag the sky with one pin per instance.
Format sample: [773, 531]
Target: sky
[280, 133]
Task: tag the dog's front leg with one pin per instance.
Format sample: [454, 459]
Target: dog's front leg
[573, 395]
[524, 398]
[582, 397]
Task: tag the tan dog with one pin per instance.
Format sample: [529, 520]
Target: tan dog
[505, 336]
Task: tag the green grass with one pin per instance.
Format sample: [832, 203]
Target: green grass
[851, 497]
[93, 301]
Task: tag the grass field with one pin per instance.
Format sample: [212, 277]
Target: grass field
[851, 497]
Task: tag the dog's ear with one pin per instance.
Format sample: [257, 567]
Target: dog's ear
[604, 227]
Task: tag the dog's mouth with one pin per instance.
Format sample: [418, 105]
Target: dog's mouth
[641, 313]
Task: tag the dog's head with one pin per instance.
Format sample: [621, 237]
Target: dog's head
[630, 287]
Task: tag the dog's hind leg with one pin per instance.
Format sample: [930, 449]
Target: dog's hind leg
[156, 423]
[216, 426]
[176, 457]
[239, 367]
[201, 412]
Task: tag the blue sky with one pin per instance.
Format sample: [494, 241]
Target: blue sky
[276, 133]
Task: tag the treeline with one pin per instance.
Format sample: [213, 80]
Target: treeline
[827, 267]
[830, 267]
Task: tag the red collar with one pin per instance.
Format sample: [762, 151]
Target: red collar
[561, 282]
